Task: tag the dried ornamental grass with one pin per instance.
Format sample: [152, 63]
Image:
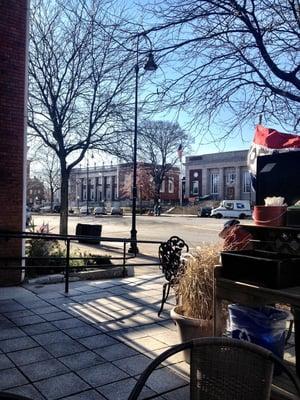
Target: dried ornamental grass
[195, 286]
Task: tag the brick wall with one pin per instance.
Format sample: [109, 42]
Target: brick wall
[12, 83]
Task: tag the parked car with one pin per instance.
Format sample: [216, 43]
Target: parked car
[83, 210]
[117, 211]
[232, 209]
[56, 208]
[100, 211]
[45, 209]
[204, 212]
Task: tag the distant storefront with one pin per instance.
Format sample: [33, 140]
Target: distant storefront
[220, 175]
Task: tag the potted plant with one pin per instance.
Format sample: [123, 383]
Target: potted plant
[194, 292]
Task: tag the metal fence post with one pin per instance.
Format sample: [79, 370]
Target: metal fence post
[124, 259]
[67, 267]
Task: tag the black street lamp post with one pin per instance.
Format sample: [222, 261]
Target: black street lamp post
[87, 184]
[149, 66]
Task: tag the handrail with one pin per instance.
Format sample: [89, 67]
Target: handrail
[8, 235]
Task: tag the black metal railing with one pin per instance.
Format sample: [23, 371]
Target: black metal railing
[26, 261]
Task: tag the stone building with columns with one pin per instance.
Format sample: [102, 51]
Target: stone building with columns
[222, 175]
[113, 183]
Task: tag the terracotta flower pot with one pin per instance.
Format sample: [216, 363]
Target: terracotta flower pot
[269, 215]
[190, 328]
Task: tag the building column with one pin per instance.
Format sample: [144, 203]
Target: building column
[205, 182]
[221, 183]
[237, 189]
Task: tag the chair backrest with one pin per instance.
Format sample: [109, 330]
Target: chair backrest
[170, 256]
[224, 369]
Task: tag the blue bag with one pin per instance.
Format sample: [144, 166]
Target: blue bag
[264, 326]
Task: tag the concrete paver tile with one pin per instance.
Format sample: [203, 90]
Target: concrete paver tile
[11, 377]
[64, 348]
[97, 341]
[91, 296]
[88, 395]
[116, 352]
[56, 316]
[10, 333]
[10, 306]
[27, 390]
[147, 343]
[52, 337]
[163, 379]
[35, 303]
[21, 313]
[5, 362]
[81, 331]
[82, 360]
[60, 386]
[29, 320]
[23, 357]
[38, 329]
[69, 323]
[16, 344]
[102, 374]
[121, 390]
[5, 323]
[133, 365]
[46, 310]
[43, 369]
[179, 394]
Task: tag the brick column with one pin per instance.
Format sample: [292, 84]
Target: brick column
[13, 82]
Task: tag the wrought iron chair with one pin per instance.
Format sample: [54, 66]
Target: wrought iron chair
[171, 263]
[223, 369]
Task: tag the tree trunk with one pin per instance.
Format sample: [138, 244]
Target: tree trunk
[63, 229]
[51, 197]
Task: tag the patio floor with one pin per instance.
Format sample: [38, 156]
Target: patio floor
[91, 344]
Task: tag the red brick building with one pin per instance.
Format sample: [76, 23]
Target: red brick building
[13, 82]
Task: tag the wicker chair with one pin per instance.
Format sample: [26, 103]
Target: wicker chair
[224, 369]
[170, 253]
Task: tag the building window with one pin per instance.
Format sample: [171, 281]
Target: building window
[230, 178]
[247, 182]
[195, 188]
[162, 188]
[170, 185]
[215, 183]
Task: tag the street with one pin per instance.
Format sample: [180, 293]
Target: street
[190, 228]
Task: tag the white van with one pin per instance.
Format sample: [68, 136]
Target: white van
[232, 209]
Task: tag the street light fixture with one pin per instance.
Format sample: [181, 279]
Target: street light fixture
[149, 66]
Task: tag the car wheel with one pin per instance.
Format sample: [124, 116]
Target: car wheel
[219, 215]
[242, 216]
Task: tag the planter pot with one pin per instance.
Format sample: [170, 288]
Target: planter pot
[269, 215]
[190, 328]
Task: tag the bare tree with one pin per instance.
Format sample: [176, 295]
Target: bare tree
[228, 61]
[158, 144]
[50, 173]
[77, 80]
